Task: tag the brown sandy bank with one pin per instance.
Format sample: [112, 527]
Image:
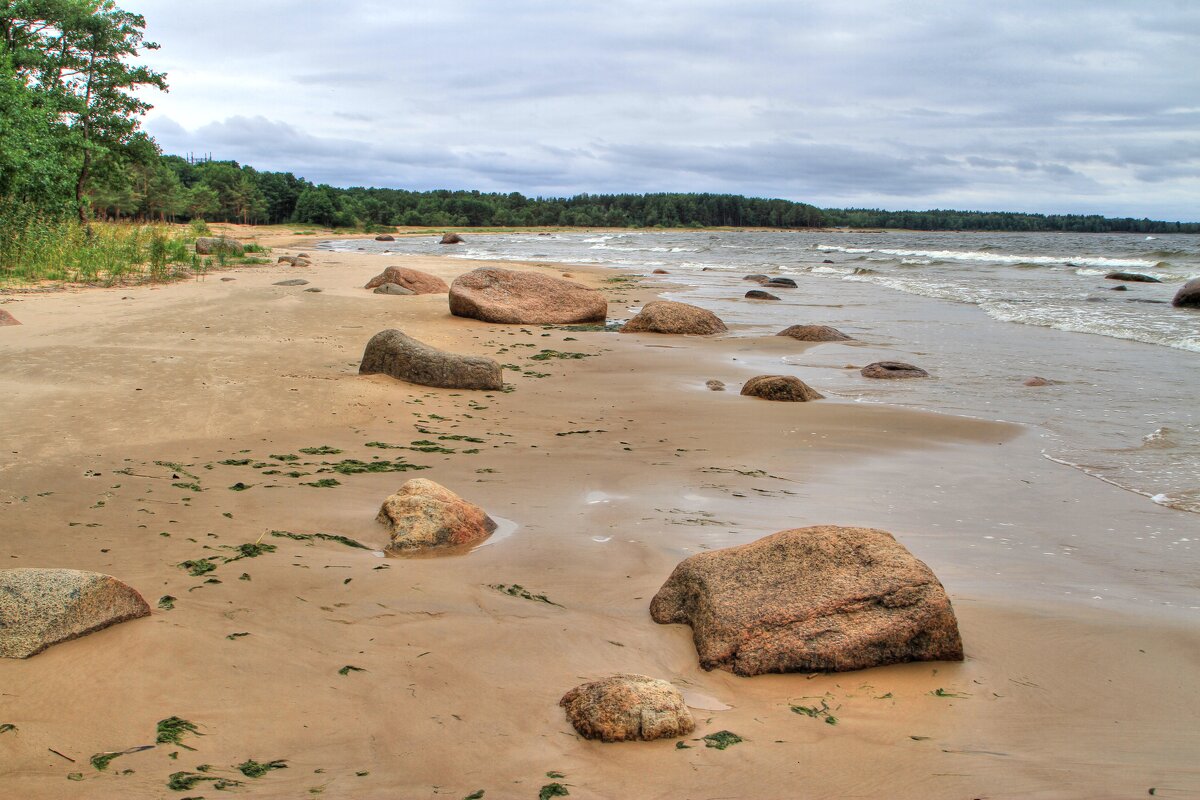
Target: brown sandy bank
[121, 405]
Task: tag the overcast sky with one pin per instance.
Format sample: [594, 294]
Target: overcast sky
[1033, 106]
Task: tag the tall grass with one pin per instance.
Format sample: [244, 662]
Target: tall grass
[35, 250]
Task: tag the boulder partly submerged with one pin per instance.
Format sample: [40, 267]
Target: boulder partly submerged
[393, 353]
[892, 370]
[451, 238]
[814, 333]
[759, 294]
[512, 297]
[412, 279]
[42, 607]
[1188, 295]
[667, 316]
[626, 708]
[780, 387]
[1133, 277]
[825, 598]
[424, 515]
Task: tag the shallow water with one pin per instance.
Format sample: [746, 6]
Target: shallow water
[981, 311]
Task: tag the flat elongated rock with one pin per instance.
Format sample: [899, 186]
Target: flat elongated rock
[42, 607]
[814, 333]
[780, 387]
[414, 280]
[1134, 277]
[292, 282]
[782, 283]
[892, 370]
[7, 318]
[626, 708]
[511, 297]
[426, 515]
[207, 245]
[811, 599]
[667, 316]
[759, 294]
[1188, 295]
[385, 237]
[393, 353]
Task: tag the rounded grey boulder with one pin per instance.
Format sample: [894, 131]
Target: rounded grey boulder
[392, 353]
[1188, 295]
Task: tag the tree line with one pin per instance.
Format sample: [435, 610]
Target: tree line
[71, 147]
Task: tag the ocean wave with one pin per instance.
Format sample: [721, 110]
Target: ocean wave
[984, 257]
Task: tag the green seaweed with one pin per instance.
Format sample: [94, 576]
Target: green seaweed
[327, 537]
[517, 590]
[816, 712]
[323, 450]
[254, 769]
[426, 446]
[172, 730]
[552, 790]
[193, 487]
[240, 487]
[346, 670]
[184, 781]
[198, 567]
[101, 760]
[235, 636]
[167, 602]
[175, 467]
[475, 795]
[249, 550]
[352, 466]
[8, 727]
[940, 692]
[682, 746]
[75, 776]
[458, 437]
[285, 457]
[235, 462]
[547, 355]
[386, 446]
[722, 739]
[555, 775]
[323, 483]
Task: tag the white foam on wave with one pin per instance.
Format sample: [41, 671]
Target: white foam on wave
[996, 258]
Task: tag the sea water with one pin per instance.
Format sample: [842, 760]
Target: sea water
[981, 311]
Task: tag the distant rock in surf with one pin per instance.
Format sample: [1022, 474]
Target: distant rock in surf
[757, 278]
[814, 333]
[780, 388]
[1188, 295]
[759, 294]
[385, 237]
[893, 370]
[782, 283]
[451, 238]
[825, 599]
[628, 708]
[660, 272]
[1135, 277]
[512, 297]
[414, 280]
[426, 515]
[1039, 381]
[42, 607]
[667, 316]
[392, 353]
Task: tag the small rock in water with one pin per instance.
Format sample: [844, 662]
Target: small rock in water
[715, 385]
[385, 237]
[784, 283]
[1037, 381]
[814, 333]
[451, 238]
[667, 316]
[757, 278]
[780, 387]
[426, 515]
[893, 369]
[661, 272]
[759, 294]
[1120, 288]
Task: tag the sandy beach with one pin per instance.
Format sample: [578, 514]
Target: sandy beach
[120, 405]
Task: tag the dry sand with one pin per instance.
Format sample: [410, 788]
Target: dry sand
[606, 472]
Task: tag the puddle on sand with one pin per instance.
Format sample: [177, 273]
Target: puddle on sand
[504, 529]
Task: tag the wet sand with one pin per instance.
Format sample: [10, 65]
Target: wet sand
[120, 403]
